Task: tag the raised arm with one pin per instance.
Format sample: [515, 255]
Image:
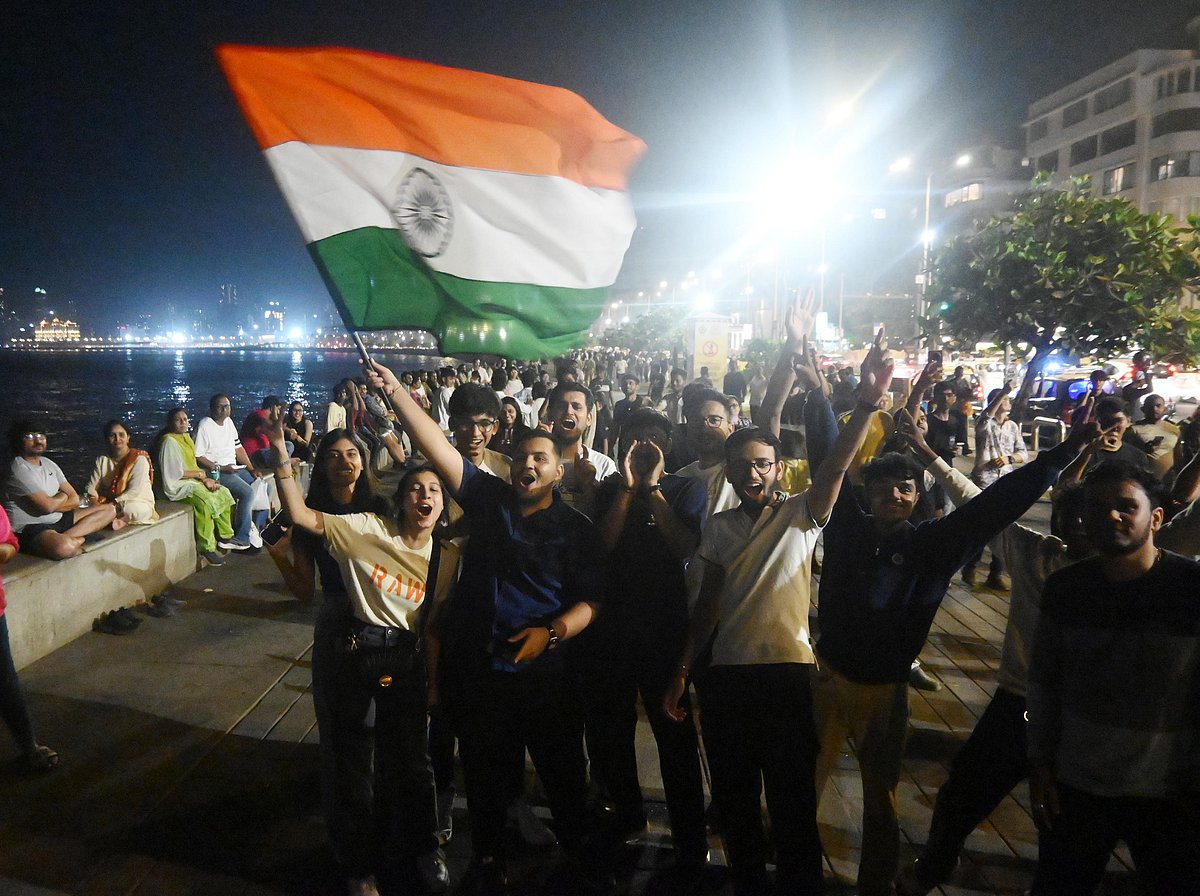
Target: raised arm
[424, 430]
[799, 323]
[931, 374]
[875, 378]
[285, 480]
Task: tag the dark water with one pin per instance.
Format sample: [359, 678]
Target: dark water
[74, 393]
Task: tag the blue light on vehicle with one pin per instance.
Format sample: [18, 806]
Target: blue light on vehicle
[1077, 390]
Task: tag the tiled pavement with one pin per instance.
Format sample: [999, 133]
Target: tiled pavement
[189, 760]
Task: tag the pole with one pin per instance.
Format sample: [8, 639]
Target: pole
[922, 304]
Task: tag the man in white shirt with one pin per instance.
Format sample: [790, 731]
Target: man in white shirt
[756, 568]
[42, 506]
[219, 451]
[449, 379]
[572, 408]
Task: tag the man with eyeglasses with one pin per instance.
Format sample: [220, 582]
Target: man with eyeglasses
[42, 506]
[755, 564]
[473, 410]
[219, 451]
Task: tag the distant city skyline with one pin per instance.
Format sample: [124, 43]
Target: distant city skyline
[130, 180]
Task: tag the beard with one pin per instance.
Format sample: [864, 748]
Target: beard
[1115, 543]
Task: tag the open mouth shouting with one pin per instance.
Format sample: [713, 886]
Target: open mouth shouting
[567, 425]
[527, 480]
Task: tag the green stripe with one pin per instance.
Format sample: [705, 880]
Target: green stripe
[380, 284]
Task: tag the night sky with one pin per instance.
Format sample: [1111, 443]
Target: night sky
[128, 177]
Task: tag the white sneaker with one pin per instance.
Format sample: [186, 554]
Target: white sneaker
[255, 537]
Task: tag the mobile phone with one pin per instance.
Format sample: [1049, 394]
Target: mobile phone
[275, 530]
[935, 356]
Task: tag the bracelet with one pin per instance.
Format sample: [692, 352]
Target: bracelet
[657, 487]
[290, 474]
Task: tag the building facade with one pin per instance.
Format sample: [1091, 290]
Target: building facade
[1133, 127]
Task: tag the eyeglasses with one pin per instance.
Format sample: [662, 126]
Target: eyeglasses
[713, 420]
[468, 423]
[33, 436]
[761, 464]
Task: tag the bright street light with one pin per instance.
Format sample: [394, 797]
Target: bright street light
[963, 161]
[900, 165]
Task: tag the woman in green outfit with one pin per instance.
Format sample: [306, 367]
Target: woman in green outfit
[181, 479]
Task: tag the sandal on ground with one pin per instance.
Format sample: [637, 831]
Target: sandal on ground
[42, 759]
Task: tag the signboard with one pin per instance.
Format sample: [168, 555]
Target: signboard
[709, 347]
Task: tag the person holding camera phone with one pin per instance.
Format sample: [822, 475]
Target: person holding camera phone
[373, 645]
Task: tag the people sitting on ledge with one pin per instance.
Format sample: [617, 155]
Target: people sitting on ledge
[123, 477]
[181, 479]
[44, 508]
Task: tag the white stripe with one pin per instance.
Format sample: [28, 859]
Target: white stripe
[506, 227]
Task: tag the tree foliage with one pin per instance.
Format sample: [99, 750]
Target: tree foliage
[1071, 271]
[654, 331]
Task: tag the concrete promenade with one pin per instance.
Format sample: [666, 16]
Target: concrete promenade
[189, 760]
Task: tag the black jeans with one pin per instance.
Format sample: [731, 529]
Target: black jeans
[611, 728]
[990, 764]
[1163, 836]
[12, 697]
[496, 717]
[376, 781]
[759, 732]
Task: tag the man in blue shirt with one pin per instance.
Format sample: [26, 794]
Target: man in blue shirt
[532, 579]
[882, 582]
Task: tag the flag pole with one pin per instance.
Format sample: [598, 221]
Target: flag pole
[366, 359]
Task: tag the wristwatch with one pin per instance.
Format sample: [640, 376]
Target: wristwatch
[553, 642]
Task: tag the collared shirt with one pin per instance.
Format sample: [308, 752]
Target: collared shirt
[765, 599]
[518, 572]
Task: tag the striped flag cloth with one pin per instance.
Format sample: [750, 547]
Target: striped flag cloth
[491, 212]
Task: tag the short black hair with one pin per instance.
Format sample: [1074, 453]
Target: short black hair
[1114, 472]
[740, 438]
[892, 465]
[640, 417]
[568, 386]
[470, 399]
[271, 401]
[696, 394]
[212, 402]
[1108, 407]
[16, 432]
[537, 434]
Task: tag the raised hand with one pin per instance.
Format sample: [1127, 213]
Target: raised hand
[808, 371]
[801, 319]
[875, 375]
[907, 427]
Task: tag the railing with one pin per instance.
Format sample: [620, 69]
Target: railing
[1055, 429]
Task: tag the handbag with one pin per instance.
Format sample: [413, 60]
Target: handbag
[384, 659]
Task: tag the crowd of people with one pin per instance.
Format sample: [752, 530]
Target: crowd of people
[551, 556]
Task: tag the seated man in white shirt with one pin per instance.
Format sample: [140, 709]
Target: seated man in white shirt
[42, 505]
[220, 452]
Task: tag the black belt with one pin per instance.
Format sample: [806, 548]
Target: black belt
[366, 635]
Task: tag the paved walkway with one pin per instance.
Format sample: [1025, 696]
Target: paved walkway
[189, 759]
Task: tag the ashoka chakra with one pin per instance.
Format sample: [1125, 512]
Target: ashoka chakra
[423, 212]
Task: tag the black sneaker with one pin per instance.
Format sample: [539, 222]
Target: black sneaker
[129, 617]
[213, 558]
[111, 624]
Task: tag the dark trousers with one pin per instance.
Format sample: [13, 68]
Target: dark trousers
[611, 728]
[376, 781]
[499, 715]
[758, 730]
[1163, 836]
[12, 698]
[441, 750]
[990, 764]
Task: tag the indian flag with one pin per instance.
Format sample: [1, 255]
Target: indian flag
[491, 212]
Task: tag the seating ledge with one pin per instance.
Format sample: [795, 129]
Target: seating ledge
[50, 603]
